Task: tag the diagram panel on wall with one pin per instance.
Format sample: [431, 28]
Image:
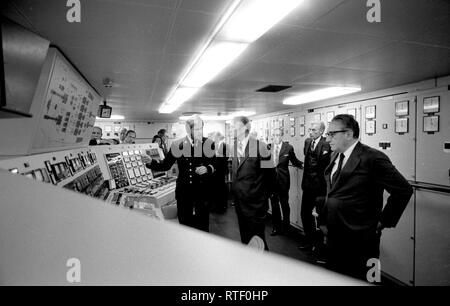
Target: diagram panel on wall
[69, 109]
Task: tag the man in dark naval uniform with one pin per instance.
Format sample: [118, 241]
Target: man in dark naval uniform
[317, 157]
[194, 155]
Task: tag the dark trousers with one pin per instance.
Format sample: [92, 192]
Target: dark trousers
[309, 223]
[219, 195]
[280, 197]
[194, 213]
[348, 253]
[250, 226]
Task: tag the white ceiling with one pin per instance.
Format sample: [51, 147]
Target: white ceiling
[145, 45]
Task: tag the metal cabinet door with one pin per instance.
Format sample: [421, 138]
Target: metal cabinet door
[401, 146]
[397, 247]
[432, 254]
[433, 159]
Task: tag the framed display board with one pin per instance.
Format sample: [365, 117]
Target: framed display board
[431, 105]
[402, 108]
[370, 127]
[371, 112]
[401, 125]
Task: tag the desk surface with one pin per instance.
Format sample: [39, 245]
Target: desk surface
[42, 227]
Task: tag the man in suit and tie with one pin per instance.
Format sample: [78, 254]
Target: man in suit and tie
[251, 165]
[282, 154]
[194, 155]
[353, 215]
[317, 157]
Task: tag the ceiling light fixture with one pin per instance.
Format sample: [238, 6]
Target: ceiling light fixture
[221, 117]
[113, 117]
[178, 97]
[320, 94]
[253, 18]
[243, 23]
[218, 56]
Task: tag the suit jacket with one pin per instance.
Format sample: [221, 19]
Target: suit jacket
[354, 203]
[251, 178]
[221, 161]
[313, 177]
[188, 158]
[281, 171]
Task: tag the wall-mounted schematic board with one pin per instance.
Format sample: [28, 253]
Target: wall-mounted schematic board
[63, 112]
[69, 108]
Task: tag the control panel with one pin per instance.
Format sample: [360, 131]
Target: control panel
[159, 191]
[90, 183]
[132, 184]
[117, 170]
[115, 174]
[135, 168]
[57, 168]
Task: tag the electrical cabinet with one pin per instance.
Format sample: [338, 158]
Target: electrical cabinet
[433, 137]
[397, 246]
[295, 195]
[378, 131]
[432, 253]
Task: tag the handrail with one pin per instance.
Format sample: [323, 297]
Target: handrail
[425, 186]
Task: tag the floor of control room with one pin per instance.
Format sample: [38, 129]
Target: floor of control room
[225, 225]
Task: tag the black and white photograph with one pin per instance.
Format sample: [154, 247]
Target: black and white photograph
[221, 148]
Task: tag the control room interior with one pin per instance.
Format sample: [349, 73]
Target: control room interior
[155, 63]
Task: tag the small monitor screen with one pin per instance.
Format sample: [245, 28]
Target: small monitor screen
[45, 176]
[57, 170]
[38, 175]
[29, 175]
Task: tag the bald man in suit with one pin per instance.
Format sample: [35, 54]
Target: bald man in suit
[317, 157]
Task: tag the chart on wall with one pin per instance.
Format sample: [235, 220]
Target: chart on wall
[70, 106]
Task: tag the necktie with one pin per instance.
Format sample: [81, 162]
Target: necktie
[276, 154]
[313, 145]
[240, 151]
[338, 171]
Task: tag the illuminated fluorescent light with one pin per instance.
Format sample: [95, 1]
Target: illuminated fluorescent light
[244, 22]
[221, 118]
[243, 113]
[178, 97]
[320, 94]
[113, 117]
[218, 56]
[181, 95]
[167, 109]
[253, 18]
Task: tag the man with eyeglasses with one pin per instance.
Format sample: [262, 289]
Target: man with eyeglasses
[130, 137]
[353, 214]
[317, 157]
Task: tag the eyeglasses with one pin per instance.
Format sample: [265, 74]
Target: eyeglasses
[332, 133]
